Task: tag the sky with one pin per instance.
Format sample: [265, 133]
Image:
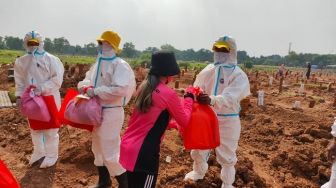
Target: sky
[260, 27]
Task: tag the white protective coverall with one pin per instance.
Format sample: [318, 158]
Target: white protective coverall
[45, 71]
[332, 182]
[227, 85]
[114, 83]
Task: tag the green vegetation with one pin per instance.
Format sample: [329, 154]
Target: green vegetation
[77, 59]
[248, 64]
[9, 56]
[62, 46]
[289, 94]
[11, 94]
[318, 99]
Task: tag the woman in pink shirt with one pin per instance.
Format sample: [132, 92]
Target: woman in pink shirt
[155, 105]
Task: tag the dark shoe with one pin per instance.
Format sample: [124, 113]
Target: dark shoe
[104, 180]
[122, 180]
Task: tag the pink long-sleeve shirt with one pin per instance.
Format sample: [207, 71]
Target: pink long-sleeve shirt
[140, 145]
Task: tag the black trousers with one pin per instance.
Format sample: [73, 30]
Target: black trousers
[141, 180]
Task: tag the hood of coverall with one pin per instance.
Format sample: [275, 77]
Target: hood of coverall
[222, 57]
[36, 37]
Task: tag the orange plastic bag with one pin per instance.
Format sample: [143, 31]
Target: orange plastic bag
[202, 131]
[70, 94]
[6, 177]
[54, 121]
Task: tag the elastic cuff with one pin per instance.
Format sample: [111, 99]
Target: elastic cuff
[212, 102]
[42, 89]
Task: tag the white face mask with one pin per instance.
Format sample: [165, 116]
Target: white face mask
[221, 57]
[106, 49]
[31, 48]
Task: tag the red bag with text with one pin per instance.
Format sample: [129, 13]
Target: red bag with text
[7, 180]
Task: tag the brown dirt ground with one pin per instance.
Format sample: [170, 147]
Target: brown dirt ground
[279, 146]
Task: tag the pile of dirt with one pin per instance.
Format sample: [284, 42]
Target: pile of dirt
[4, 73]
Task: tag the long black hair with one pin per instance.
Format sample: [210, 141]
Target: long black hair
[143, 100]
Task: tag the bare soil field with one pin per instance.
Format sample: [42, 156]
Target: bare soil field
[279, 146]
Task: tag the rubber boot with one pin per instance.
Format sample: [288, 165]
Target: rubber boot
[104, 180]
[122, 180]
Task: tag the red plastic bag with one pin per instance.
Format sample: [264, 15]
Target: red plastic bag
[202, 132]
[70, 94]
[54, 121]
[7, 180]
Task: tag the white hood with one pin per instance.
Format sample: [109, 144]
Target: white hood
[33, 35]
[227, 58]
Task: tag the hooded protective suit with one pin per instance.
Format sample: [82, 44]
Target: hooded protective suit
[227, 85]
[114, 83]
[45, 71]
[332, 182]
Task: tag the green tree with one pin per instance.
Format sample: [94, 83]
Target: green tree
[168, 47]
[145, 56]
[322, 61]
[90, 49]
[242, 56]
[78, 49]
[61, 45]
[129, 50]
[48, 45]
[248, 64]
[14, 43]
[150, 50]
[2, 43]
[204, 55]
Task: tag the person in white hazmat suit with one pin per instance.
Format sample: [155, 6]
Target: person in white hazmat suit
[224, 85]
[113, 82]
[332, 157]
[45, 71]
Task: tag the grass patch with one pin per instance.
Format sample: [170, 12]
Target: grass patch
[318, 99]
[9, 56]
[11, 94]
[288, 94]
[77, 59]
[312, 86]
